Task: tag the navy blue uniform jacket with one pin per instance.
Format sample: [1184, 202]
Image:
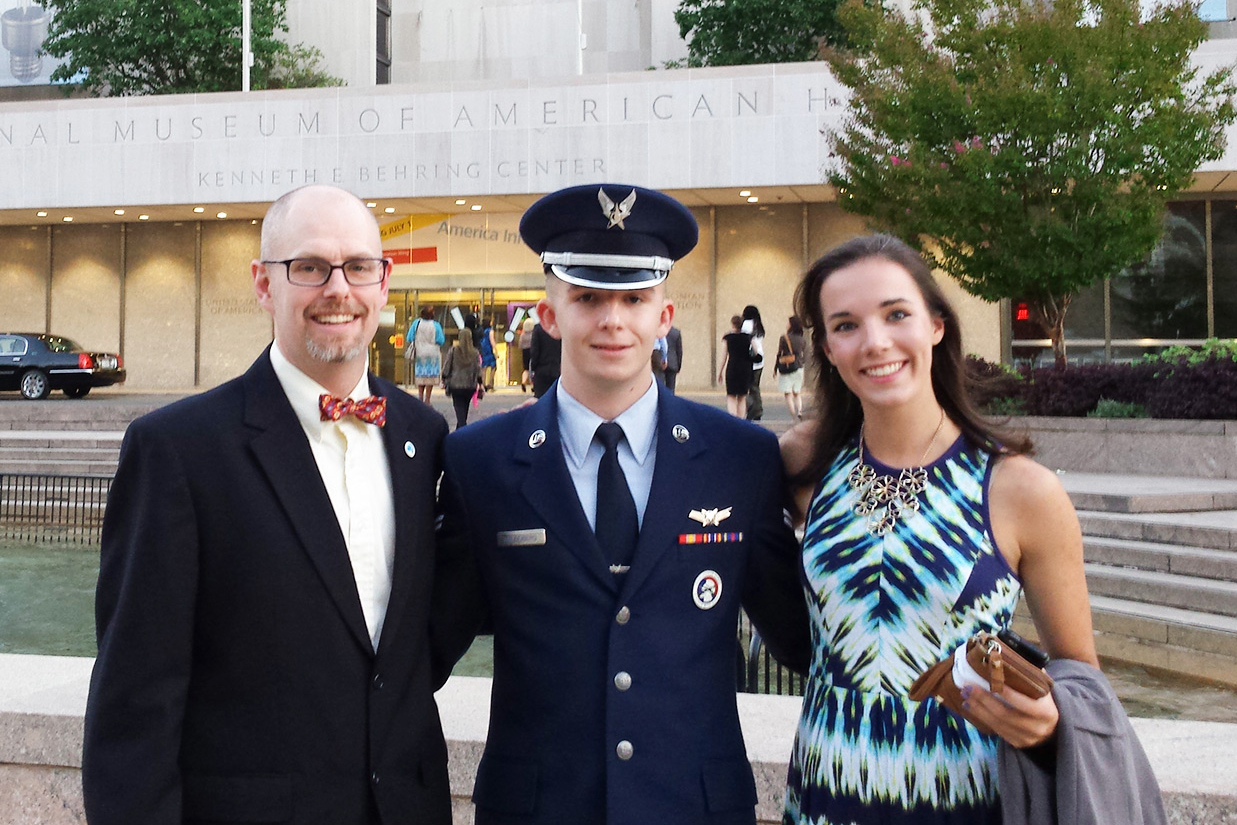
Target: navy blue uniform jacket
[590, 667]
[236, 681]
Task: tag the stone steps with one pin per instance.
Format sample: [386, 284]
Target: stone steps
[1208, 596]
[1164, 558]
[1161, 566]
[43, 452]
[1214, 530]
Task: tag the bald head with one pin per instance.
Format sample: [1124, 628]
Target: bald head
[290, 209]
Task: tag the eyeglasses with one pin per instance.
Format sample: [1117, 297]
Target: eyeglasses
[316, 272]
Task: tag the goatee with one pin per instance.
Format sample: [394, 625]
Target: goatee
[338, 354]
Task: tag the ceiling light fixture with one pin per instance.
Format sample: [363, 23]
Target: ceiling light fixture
[460, 201]
[753, 199]
[476, 207]
[41, 214]
[745, 193]
[67, 219]
[389, 210]
[118, 211]
[221, 214]
[143, 217]
[199, 210]
[370, 204]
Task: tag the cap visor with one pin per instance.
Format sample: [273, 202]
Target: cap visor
[597, 278]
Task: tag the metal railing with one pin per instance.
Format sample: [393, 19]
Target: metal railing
[52, 508]
[758, 671]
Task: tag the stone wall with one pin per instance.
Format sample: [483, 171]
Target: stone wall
[1194, 449]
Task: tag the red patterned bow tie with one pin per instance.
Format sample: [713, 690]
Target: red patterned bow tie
[371, 410]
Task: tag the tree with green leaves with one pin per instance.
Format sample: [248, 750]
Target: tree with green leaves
[137, 47]
[736, 32]
[1027, 148]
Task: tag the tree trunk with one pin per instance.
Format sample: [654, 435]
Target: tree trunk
[1049, 312]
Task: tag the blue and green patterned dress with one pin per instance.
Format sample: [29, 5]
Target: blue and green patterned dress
[884, 608]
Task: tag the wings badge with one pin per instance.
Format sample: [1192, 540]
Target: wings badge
[616, 213]
[710, 518]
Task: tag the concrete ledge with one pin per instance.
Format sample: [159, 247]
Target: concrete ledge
[42, 699]
[1193, 449]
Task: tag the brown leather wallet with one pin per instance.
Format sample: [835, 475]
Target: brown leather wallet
[992, 659]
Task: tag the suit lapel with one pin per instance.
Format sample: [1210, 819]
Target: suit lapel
[676, 483]
[282, 450]
[550, 491]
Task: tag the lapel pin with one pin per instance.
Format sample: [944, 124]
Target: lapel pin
[536, 439]
[707, 590]
[680, 433]
[410, 449]
[710, 518]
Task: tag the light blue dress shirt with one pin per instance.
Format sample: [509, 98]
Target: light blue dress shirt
[637, 453]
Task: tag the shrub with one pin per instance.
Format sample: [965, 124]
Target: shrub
[1061, 391]
[1211, 347]
[1004, 407]
[1205, 389]
[1108, 408]
[990, 383]
[1076, 390]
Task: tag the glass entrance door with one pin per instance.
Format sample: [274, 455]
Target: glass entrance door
[505, 308]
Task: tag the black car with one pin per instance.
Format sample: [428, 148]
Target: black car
[36, 364]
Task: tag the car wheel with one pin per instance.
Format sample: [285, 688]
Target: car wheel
[76, 392]
[34, 385]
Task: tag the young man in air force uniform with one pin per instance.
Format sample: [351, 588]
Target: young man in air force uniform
[609, 534]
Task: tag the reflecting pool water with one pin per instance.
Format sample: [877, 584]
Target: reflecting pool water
[47, 606]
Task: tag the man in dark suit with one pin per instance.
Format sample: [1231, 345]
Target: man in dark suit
[609, 533]
[674, 357]
[262, 609]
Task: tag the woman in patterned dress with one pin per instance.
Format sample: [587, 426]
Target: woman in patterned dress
[922, 526]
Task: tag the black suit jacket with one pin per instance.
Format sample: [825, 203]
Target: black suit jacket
[236, 681]
[586, 660]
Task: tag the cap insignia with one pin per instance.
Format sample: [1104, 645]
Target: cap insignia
[616, 213]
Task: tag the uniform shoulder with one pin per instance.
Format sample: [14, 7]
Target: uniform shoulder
[483, 435]
[735, 433]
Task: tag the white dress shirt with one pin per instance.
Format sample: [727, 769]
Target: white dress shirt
[352, 461]
[637, 452]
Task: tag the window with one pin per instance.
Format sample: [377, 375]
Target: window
[1224, 266]
[383, 68]
[1165, 296]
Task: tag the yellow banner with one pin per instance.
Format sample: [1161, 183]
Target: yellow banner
[409, 224]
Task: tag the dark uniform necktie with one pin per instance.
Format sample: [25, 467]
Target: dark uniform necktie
[617, 525]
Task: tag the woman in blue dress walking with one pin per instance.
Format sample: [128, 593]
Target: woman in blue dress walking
[922, 526]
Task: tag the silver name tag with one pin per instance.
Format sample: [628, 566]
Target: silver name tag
[521, 538]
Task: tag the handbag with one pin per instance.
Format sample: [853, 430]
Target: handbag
[410, 351]
[789, 362]
[989, 660]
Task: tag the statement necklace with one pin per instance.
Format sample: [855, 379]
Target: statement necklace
[883, 499]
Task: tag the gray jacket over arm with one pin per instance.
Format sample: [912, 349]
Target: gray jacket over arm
[1100, 773]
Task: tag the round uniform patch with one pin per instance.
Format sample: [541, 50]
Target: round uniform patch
[707, 590]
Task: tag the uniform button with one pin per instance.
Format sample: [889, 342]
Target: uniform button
[374, 777]
[622, 680]
[624, 750]
[624, 615]
[377, 681]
